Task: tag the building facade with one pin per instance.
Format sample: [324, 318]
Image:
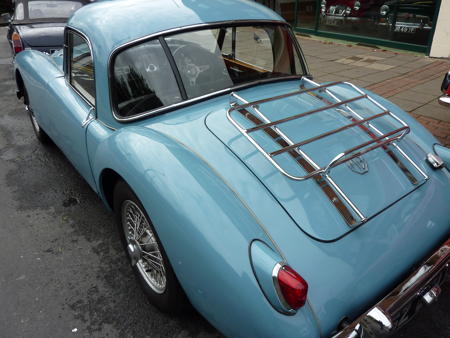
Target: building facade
[403, 24]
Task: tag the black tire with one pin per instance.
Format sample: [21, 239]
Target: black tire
[172, 299]
[41, 135]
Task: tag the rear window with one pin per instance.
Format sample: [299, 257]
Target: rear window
[143, 80]
[210, 60]
[18, 13]
[52, 9]
[193, 64]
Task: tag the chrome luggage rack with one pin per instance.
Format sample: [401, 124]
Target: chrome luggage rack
[377, 140]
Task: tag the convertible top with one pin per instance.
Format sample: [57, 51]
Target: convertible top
[110, 24]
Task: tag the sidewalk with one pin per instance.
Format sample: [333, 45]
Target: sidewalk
[410, 80]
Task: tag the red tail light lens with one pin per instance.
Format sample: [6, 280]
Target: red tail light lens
[293, 287]
[17, 43]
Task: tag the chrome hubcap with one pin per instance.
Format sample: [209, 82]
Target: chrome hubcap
[142, 247]
[134, 250]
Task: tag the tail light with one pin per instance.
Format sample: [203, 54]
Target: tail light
[291, 287]
[17, 43]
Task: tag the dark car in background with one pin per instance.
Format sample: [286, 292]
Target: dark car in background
[350, 8]
[408, 16]
[39, 24]
[445, 88]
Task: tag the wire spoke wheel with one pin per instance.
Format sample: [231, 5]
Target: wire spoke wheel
[142, 247]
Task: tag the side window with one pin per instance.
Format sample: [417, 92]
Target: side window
[81, 66]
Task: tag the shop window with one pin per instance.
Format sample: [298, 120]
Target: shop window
[408, 21]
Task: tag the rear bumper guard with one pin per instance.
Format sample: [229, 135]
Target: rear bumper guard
[420, 288]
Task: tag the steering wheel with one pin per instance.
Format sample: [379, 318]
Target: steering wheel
[185, 56]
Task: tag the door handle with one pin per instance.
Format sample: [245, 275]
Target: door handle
[89, 118]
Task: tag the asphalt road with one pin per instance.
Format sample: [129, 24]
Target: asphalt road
[63, 271]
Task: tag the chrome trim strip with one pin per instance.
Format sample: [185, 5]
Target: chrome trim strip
[275, 271]
[172, 31]
[233, 191]
[381, 318]
[188, 102]
[362, 217]
[107, 125]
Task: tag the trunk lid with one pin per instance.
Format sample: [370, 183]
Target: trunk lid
[42, 34]
[326, 207]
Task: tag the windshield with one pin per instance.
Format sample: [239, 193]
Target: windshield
[207, 61]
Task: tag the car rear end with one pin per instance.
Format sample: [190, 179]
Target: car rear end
[44, 37]
[39, 25]
[370, 234]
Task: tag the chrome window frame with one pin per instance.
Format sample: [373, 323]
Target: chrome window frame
[67, 67]
[188, 102]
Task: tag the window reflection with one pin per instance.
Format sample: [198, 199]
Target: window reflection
[214, 59]
[81, 67]
[306, 16]
[408, 21]
[143, 80]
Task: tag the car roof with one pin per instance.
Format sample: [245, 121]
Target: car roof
[109, 24]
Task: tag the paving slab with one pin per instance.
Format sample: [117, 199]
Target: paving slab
[328, 78]
[377, 77]
[432, 86]
[417, 96]
[355, 72]
[406, 104]
[435, 111]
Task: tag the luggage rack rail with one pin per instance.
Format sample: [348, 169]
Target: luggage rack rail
[263, 123]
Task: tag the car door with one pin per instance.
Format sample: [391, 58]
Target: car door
[74, 107]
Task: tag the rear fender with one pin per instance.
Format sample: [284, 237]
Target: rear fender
[204, 226]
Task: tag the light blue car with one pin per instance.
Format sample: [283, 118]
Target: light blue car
[277, 206]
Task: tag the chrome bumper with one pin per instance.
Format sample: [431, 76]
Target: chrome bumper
[420, 288]
[444, 100]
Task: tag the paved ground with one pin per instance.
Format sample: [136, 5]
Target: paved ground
[63, 272]
[410, 80]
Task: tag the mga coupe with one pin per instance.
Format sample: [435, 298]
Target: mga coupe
[275, 205]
